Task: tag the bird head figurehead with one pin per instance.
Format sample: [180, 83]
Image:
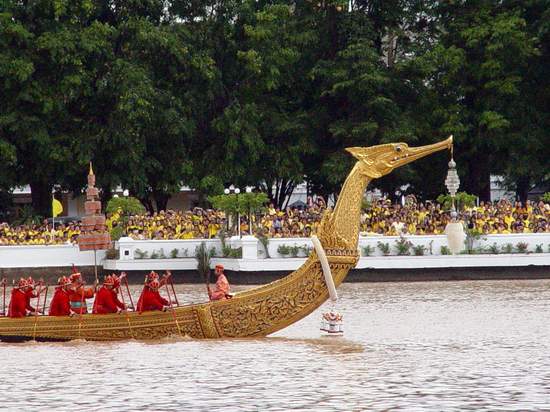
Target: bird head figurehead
[380, 160]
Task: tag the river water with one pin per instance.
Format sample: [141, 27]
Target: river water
[482, 345]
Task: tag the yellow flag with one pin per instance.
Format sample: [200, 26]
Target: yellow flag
[57, 207]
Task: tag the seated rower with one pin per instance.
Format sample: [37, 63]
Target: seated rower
[78, 294]
[19, 304]
[222, 286]
[31, 291]
[150, 298]
[106, 300]
[60, 304]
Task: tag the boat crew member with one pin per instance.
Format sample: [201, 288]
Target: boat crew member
[154, 275]
[60, 304]
[150, 298]
[106, 300]
[19, 305]
[221, 291]
[30, 292]
[78, 294]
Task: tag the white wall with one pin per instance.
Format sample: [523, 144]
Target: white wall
[65, 255]
[185, 247]
[370, 262]
[532, 239]
[46, 256]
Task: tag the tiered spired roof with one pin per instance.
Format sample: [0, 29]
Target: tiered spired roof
[94, 234]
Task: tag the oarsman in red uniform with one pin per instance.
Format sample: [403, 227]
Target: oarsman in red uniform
[106, 299]
[60, 304]
[150, 298]
[78, 294]
[19, 305]
[31, 292]
[222, 289]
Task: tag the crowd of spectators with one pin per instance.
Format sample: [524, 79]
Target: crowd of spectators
[39, 234]
[425, 218]
[207, 223]
[379, 217]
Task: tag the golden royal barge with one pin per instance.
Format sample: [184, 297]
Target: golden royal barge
[256, 312]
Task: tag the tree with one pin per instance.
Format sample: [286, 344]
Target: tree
[48, 48]
[478, 65]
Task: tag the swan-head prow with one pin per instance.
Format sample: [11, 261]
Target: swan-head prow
[377, 161]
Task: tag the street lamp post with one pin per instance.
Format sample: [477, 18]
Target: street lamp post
[249, 190]
[236, 190]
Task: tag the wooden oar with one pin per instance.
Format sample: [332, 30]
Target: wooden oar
[172, 309]
[123, 275]
[36, 309]
[45, 298]
[4, 284]
[207, 281]
[82, 300]
[38, 293]
[126, 312]
[172, 286]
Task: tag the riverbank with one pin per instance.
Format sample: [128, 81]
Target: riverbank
[514, 256]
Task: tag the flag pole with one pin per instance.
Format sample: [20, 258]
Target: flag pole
[95, 265]
[53, 221]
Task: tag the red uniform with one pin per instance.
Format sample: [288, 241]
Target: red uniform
[18, 304]
[77, 298]
[30, 294]
[106, 301]
[150, 300]
[60, 304]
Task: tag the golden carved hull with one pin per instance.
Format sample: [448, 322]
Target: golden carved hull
[256, 312]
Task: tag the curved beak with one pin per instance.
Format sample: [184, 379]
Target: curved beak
[414, 153]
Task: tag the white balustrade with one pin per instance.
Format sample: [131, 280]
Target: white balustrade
[179, 254]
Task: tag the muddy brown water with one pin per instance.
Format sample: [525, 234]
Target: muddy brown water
[473, 345]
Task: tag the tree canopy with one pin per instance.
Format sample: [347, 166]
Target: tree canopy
[160, 94]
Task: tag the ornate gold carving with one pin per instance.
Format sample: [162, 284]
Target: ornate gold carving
[207, 322]
[329, 237]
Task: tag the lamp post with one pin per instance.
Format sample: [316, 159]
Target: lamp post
[454, 229]
[236, 190]
[248, 189]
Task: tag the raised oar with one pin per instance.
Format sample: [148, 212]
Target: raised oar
[4, 284]
[207, 281]
[82, 300]
[36, 309]
[172, 309]
[123, 274]
[45, 298]
[172, 286]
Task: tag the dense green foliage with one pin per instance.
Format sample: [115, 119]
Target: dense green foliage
[243, 203]
[125, 205]
[267, 93]
[462, 200]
